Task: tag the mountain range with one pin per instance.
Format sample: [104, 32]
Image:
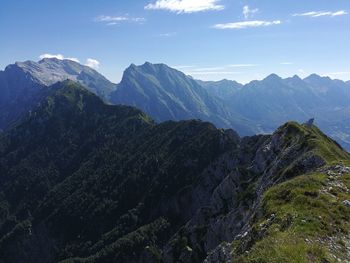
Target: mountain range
[86, 181]
[164, 93]
[273, 100]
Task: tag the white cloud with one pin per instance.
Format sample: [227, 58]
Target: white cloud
[115, 20]
[185, 6]
[183, 67]
[92, 63]
[247, 24]
[287, 63]
[58, 56]
[247, 12]
[322, 13]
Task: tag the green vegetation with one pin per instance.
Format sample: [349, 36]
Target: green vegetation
[96, 178]
[314, 140]
[302, 220]
[86, 182]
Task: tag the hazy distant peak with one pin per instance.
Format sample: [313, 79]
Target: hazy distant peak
[315, 77]
[296, 77]
[272, 77]
[294, 80]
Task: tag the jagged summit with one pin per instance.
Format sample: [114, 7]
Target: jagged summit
[151, 68]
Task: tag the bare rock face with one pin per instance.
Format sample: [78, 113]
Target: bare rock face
[48, 71]
[259, 163]
[221, 254]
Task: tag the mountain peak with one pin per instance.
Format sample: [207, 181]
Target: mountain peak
[150, 68]
[315, 77]
[49, 59]
[294, 80]
[155, 66]
[273, 77]
[147, 63]
[296, 77]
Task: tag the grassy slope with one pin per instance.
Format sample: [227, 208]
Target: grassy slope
[304, 219]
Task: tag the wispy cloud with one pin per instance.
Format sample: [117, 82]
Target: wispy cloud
[185, 6]
[243, 65]
[286, 63]
[322, 13]
[58, 56]
[225, 68]
[343, 75]
[169, 34]
[247, 24]
[92, 63]
[212, 72]
[247, 12]
[339, 73]
[209, 69]
[116, 20]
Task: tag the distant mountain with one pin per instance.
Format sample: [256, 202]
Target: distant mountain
[51, 70]
[23, 84]
[19, 92]
[222, 89]
[168, 94]
[83, 181]
[272, 101]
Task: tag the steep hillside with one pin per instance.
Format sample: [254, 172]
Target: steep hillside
[240, 216]
[167, 94]
[82, 181]
[19, 92]
[76, 162]
[223, 89]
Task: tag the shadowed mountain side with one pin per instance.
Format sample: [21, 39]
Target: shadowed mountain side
[82, 181]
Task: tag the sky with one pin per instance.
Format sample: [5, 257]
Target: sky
[208, 39]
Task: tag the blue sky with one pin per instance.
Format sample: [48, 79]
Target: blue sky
[208, 39]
